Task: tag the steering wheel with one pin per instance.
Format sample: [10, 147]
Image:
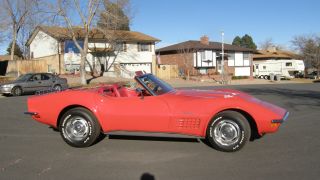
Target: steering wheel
[156, 88]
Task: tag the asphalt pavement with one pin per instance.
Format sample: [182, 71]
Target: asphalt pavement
[30, 150]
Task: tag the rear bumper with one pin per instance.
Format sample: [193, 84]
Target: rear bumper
[31, 113]
[280, 121]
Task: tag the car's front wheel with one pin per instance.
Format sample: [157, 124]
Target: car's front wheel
[228, 131]
[79, 127]
[16, 91]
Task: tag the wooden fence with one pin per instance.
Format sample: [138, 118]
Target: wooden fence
[45, 64]
[167, 71]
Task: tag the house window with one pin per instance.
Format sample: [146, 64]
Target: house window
[49, 68]
[289, 64]
[144, 47]
[231, 59]
[264, 67]
[246, 59]
[246, 56]
[70, 46]
[121, 47]
[203, 55]
[231, 56]
[32, 55]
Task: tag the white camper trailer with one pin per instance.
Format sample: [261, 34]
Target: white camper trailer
[286, 68]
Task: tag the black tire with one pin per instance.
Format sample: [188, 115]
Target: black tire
[79, 127]
[57, 87]
[16, 91]
[228, 131]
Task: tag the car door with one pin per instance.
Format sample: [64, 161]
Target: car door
[46, 81]
[33, 83]
[148, 114]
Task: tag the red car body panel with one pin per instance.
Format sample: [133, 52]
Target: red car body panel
[180, 111]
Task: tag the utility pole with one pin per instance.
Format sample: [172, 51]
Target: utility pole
[222, 57]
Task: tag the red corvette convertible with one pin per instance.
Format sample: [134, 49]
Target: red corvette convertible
[226, 118]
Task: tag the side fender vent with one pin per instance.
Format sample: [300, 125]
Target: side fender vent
[188, 123]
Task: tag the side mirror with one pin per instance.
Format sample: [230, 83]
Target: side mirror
[140, 92]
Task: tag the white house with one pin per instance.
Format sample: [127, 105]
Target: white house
[125, 53]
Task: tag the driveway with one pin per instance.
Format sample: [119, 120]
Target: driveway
[29, 150]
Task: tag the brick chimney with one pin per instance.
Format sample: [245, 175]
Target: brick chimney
[204, 40]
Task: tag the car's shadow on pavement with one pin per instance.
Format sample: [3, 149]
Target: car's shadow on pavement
[149, 138]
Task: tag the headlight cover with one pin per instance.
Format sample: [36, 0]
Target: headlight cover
[7, 85]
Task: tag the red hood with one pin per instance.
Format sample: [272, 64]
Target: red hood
[220, 93]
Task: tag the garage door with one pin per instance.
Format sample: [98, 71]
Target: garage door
[133, 67]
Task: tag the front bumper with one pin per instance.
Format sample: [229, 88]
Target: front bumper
[5, 90]
[280, 121]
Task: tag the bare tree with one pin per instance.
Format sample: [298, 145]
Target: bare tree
[114, 22]
[17, 12]
[268, 43]
[309, 48]
[86, 10]
[186, 54]
[19, 18]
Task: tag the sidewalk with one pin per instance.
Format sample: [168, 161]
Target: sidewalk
[185, 83]
[75, 81]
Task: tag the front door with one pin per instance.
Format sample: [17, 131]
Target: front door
[33, 84]
[150, 114]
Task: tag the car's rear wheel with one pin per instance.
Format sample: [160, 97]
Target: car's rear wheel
[228, 131]
[57, 87]
[16, 91]
[79, 127]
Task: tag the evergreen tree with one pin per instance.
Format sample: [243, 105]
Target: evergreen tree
[247, 42]
[17, 50]
[236, 41]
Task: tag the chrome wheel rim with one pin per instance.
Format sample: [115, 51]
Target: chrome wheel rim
[17, 91]
[57, 88]
[76, 128]
[227, 132]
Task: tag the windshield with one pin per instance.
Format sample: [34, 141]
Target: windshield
[154, 85]
[24, 77]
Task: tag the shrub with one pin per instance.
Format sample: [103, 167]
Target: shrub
[239, 77]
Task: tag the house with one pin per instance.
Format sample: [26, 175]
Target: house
[204, 57]
[273, 61]
[121, 54]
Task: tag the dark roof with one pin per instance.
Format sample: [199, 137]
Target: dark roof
[61, 33]
[197, 45]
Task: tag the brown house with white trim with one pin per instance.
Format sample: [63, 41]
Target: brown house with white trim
[204, 57]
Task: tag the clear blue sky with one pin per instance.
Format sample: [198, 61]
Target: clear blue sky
[174, 21]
